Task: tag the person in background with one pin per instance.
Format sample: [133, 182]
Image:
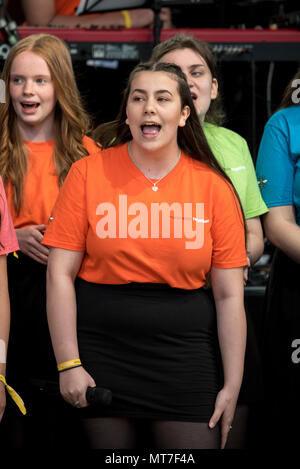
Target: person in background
[126, 306]
[198, 63]
[43, 132]
[278, 173]
[8, 244]
[64, 13]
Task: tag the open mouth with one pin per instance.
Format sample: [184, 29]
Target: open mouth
[30, 105]
[194, 96]
[150, 129]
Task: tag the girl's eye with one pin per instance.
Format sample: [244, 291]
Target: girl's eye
[137, 98]
[41, 80]
[162, 99]
[17, 80]
[196, 74]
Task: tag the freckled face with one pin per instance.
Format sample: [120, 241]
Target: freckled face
[32, 91]
[203, 86]
[154, 110]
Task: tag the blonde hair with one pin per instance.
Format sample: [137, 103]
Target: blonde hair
[71, 121]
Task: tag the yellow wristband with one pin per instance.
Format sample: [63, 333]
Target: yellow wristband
[127, 19]
[68, 364]
[14, 395]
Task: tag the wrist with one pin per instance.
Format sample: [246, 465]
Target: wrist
[68, 365]
[233, 387]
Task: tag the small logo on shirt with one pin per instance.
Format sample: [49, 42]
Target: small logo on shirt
[238, 168]
[261, 182]
[200, 220]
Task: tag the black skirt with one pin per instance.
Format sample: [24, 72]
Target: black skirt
[281, 335]
[155, 347]
[30, 353]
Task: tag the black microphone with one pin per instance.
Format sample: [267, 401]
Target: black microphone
[96, 395]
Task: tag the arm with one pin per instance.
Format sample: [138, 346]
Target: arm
[255, 239]
[255, 243]
[254, 207]
[228, 290]
[63, 266]
[282, 231]
[4, 328]
[42, 13]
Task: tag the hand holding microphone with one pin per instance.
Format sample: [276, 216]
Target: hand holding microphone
[98, 396]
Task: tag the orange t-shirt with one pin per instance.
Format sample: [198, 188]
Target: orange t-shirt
[130, 233]
[66, 7]
[41, 186]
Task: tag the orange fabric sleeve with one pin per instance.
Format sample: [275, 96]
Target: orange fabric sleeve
[66, 7]
[227, 217]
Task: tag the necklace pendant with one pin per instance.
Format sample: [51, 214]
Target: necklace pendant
[154, 188]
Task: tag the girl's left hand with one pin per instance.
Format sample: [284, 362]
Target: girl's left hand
[224, 409]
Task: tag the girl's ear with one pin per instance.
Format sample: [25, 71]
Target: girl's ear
[184, 116]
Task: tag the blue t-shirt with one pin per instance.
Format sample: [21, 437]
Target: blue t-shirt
[278, 161]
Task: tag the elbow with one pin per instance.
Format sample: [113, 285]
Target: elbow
[41, 23]
[33, 20]
[259, 251]
[272, 238]
[271, 231]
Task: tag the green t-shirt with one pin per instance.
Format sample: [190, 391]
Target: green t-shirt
[233, 155]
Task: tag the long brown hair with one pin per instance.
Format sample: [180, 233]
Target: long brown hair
[287, 98]
[215, 114]
[71, 121]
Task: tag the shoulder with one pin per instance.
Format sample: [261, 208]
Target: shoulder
[99, 160]
[285, 118]
[230, 148]
[223, 134]
[205, 175]
[90, 145]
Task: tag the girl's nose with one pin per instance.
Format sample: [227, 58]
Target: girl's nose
[28, 87]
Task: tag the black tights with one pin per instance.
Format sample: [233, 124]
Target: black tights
[122, 433]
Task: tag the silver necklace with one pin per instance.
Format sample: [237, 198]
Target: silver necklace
[154, 184]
